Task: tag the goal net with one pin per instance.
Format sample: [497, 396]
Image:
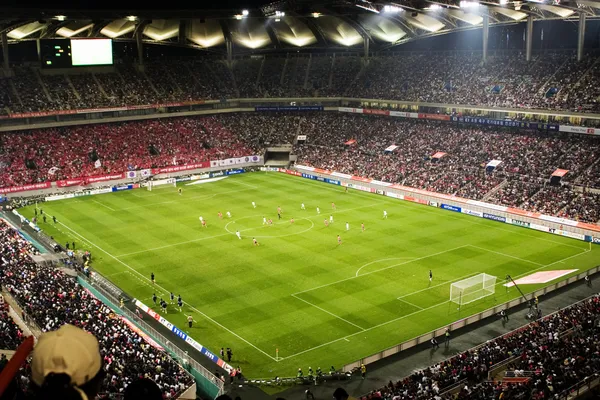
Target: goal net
[170, 181]
[472, 289]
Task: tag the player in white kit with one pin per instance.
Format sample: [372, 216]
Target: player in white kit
[237, 233]
[264, 221]
[384, 214]
[228, 214]
[331, 219]
[254, 204]
[302, 206]
[318, 210]
[347, 226]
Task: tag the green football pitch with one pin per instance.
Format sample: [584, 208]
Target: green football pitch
[319, 303]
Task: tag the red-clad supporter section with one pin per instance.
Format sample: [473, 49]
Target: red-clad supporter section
[24, 188]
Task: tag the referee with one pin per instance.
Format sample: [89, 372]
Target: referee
[190, 320]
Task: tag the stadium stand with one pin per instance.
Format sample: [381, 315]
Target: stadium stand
[52, 299]
[522, 179]
[10, 334]
[554, 353]
[553, 80]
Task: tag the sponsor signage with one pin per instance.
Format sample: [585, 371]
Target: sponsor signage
[289, 108]
[437, 117]
[123, 187]
[185, 179]
[332, 181]
[473, 213]
[433, 203]
[595, 240]
[218, 173]
[579, 129]
[519, 223]
[509, 123]
[450, 207]
[494, 217]
[235, 172]
[70, 182]
[301, 137]
[103, 178]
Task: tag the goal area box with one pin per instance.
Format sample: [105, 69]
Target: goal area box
[472, 289]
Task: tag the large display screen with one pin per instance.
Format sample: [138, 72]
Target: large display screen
[91, 52]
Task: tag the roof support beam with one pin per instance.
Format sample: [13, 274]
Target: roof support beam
[529, 38]
[580, 36]
[486, 35]
[5, 50]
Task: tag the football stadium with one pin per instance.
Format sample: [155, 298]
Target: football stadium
[298, 200]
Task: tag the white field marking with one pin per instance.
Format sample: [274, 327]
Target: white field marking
[186, 199]
[426, 309]
[410, 304]
[229, 233]
[143, 282]
[438, 285]
[392, 201]
[243, 183]
[383, 259]
[330, 313]
[380, 269]
[156, 285]
[346, 339]
[505, 255]
[103, 205]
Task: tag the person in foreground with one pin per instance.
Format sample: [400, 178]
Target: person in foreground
[66, 365]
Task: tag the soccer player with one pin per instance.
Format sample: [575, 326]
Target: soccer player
[331, 219]
[190, 319]
[318, 210]
[154, 298]
[362, 227]
[346, 189]
[179, 302]
[203, 223]
[278, 210]
[179, 191]
[172, 298]
[220, 215]
[228, 214]
[253, 204]
[152, 278]
[333, 205]
[302, 206]
[326, 222]
[347, 226]
[430, 276]
[339, 240]
[255, 242]
[201, 219]
[237, 233]
[384, 214]
[270, 221]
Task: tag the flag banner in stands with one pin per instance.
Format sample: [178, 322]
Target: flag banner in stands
[25, 188]
[95, 110]
[70, 182]
[214, 163]
[560, 172]
[289, 108]
[437, 117]
[493, 163]
[52, 170]
[301, 137]
[178, 168]
[349, 142]
[439, 154]
[145, 173]
[391, 148]
[131, 174]
[103, 178]
[503, 122]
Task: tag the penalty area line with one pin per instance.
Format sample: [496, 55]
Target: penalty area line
[165, 290]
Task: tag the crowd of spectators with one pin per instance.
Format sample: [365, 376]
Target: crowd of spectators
[557, 352]
[552, 80]
[52, 299]
[10, 334]
[528, 158]
[61, 153]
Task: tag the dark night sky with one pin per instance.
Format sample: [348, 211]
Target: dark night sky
[132, 4]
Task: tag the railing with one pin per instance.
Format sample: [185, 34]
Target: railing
[182, 356]
[35, 329]
[579, 389]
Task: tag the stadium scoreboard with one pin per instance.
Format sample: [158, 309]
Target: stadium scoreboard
[67, 53]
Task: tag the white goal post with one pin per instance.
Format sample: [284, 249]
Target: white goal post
[471, 289]
[160, 182]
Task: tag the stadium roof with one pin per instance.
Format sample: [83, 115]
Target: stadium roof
[286, 24]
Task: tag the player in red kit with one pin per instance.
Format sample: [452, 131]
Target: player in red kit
[255, 242]
[339, 240]
[220, 215]
[326, 222]
[204, 223]
[292, 220]
[333, 205]
[362, 226]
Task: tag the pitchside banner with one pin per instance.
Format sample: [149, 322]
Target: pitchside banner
[289, 108]
[509, 123]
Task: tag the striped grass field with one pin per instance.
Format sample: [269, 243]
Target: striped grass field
[318, 302]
